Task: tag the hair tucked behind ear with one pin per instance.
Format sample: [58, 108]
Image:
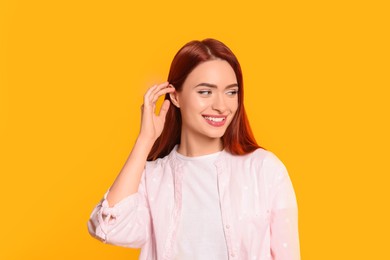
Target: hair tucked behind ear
[238, 138]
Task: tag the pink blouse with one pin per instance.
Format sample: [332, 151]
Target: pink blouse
[258, 207]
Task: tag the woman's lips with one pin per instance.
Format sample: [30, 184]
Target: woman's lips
[215, 120]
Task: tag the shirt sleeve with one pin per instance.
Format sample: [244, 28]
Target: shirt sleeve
[127, 223]
[284, 213]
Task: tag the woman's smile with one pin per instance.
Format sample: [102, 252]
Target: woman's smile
[215, 120]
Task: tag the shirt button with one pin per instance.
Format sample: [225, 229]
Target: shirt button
[227, 226]
[233, 255]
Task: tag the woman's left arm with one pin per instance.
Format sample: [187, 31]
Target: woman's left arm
[284, 214]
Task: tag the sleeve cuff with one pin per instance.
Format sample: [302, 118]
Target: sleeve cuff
[110, 214]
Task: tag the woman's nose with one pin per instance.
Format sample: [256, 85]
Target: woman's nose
[219, 104]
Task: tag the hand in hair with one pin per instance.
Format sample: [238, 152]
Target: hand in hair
[152, 124]
[129, 178]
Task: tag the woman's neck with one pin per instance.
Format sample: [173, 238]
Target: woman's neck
[199, 146]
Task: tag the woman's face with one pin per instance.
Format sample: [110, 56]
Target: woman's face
[208, 100]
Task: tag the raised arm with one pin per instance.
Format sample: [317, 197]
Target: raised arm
[122, 216]
[152, 125]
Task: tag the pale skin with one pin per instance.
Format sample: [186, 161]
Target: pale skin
[208, 96]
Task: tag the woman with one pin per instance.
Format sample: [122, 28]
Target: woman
[196, 185]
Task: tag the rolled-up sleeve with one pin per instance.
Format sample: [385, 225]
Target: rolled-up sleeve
[284, 215]
[127, 223]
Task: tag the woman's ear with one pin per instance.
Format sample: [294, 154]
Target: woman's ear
[174, 99]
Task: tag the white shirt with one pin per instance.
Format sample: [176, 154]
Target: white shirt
[200, 230]
[257, 202]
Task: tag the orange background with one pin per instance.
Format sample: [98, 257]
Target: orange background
[73, 74]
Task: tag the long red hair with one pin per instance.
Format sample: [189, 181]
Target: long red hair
[238, 138]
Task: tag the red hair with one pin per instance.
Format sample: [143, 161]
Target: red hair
[238, 138]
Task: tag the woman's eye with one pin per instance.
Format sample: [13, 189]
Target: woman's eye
[204, 92]
[232, 92]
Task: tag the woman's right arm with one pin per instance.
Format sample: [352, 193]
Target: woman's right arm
[122, 217]
[152, 125]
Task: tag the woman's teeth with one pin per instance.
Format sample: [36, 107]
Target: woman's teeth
[215, 119]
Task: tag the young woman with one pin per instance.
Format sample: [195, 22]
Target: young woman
[196, 185]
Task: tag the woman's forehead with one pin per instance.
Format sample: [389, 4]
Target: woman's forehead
[214, 72]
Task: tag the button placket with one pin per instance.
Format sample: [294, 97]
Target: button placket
[223, 179]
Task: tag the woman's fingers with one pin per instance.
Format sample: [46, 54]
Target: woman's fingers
[151, 124]
[164, 109]
[151, 91]
[162, 92]
[159, 87]
[148, 93]
[156, 91]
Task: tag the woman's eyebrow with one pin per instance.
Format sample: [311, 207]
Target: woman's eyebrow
[215, 86]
